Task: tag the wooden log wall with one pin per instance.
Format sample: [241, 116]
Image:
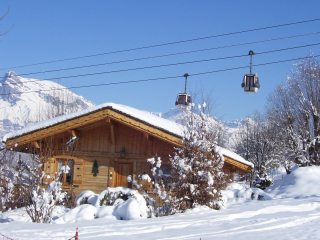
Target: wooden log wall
[103, 141]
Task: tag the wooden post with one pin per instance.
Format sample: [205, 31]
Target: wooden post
[76, 237]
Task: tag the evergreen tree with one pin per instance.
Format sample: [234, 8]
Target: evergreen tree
[197, 166]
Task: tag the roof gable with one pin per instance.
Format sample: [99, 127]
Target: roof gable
[141, 120]
[164, 129]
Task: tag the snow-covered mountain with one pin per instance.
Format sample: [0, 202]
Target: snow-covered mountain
[231, 128]
[21, 102]
[234, 123]
[178, 113]
[174, 114]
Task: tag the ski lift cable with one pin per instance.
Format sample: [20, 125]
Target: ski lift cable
[157, 79]
[158, 66]
[169, 43]
[165, 55]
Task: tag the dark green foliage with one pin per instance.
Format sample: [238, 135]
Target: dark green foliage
[111, 198]
[84, 200]
[95, 169]
[262, 183]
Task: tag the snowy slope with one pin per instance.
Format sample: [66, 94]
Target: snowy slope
[21, 103]
[303, 182]
[283, 218]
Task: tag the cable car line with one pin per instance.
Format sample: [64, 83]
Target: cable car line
[169, 43]
[256, 65]
[157, 79]
[162, 65]
[165, 55]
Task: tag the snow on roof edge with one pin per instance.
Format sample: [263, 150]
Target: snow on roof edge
[234, 156]
[143, 116]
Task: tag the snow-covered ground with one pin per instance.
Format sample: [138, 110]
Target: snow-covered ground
[293, 212]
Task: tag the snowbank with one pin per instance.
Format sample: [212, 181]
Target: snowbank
[237, 193]
[20, 214]
[301, 183]
[116, 203]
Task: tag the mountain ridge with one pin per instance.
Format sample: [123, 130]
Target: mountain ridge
[23, 101]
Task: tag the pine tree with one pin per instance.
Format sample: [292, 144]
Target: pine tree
[197, 166]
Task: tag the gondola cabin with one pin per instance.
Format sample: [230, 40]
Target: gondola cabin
[183, 99]
[250, 83]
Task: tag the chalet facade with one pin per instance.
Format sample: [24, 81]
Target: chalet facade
[102, 145]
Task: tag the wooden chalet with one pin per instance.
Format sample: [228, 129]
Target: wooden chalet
[104, 144]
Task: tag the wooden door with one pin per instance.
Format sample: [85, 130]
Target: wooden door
[78, 172]
[123, 170]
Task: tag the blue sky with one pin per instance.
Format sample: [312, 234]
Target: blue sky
[52, 30]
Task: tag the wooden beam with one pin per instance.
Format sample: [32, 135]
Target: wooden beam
[36, 144]
[113, 142]
[108, 120]
[146, 135]
[150, 141]
[73, 133]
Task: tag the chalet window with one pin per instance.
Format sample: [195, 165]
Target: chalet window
[65, 170]
[166, 173]
[165, 170]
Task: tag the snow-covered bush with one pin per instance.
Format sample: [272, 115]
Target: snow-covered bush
[111, 198]
[21, 180]
[8, 174]
[120, 203]
[86, 197]
[235, 192]
[161, 184]
[43, 201]
[263, 182]
[15, 178]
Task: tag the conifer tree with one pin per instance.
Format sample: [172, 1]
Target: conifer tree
[197, 166]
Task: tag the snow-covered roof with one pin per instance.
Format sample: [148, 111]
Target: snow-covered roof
[234, 156]
[143, 116]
